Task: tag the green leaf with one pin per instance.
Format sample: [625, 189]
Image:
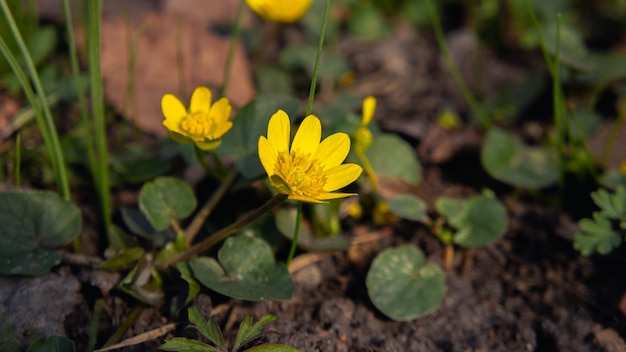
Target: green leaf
[402, 286]
[286, 222]
[209, 329]
[53, 344]
[124, 260]
[240, 143]
[511, 162]
[272, 348]
[613, 206]
[479, 220]
[409, 207]
[164, 199]
[32, 224]
[248, 332]
[596, 235]
[246, 270]
[42, 43]
[187, 275]
[138, 224]
[181, 344]
[391, 156]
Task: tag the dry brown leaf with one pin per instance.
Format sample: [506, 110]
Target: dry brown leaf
[159, 39]
[599, 138]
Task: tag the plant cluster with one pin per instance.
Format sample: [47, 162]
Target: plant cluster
[314, 165]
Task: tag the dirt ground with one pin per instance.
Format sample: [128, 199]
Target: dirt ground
[530, 291]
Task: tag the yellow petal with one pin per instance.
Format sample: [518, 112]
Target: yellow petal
[222, 128]
[333, 150]
[307, 139]
[220, 111]
[304, 198]
[200, 100]
[369, 106]
[267, 155]
[328, 196]
[279, 131]
[341, 176]
[174, 112]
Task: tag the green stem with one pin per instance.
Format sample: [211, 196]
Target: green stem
[40, 104]
[196, 224]
[369, 170]
[234, 40]
[476, 107]
[296, 233]
[318, 57]
[94, 17]
[80, 90]
[224, 232]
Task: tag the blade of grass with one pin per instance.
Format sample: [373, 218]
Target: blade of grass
[94, 17]
[39, 102]
[80, 90]
[474, 104]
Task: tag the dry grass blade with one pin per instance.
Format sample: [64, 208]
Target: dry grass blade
[141, 338]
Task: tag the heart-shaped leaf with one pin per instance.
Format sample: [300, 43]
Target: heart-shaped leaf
[409, 207]
[164, 199]
[514, 163]
[402, 286]
[479, 220]
[391, 156]
[246, 270]
[32, 224]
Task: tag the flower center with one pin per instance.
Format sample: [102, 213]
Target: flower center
[303, 175]
[198, 124]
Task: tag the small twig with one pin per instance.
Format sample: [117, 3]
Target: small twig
[141, 338]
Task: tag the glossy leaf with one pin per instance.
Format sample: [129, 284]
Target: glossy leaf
[391, 156]
[511, 162]
[246, 270]
[409, 207]
[402, 286]
[164, 199]
[479, 220]
[32, 225]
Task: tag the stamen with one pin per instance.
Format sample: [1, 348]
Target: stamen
[303, 175]
[198, 125]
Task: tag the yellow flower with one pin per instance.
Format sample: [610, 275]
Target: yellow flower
[308, 171]
[622, 167]
[284, 11]
[203, 124]
[363, 135]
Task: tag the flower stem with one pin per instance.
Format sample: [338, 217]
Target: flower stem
[196, 224]
[231, 48]
[318, 57]
[296, 232]
[369, 170]
[224, 232]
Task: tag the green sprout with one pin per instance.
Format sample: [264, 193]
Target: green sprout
[211, 331]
